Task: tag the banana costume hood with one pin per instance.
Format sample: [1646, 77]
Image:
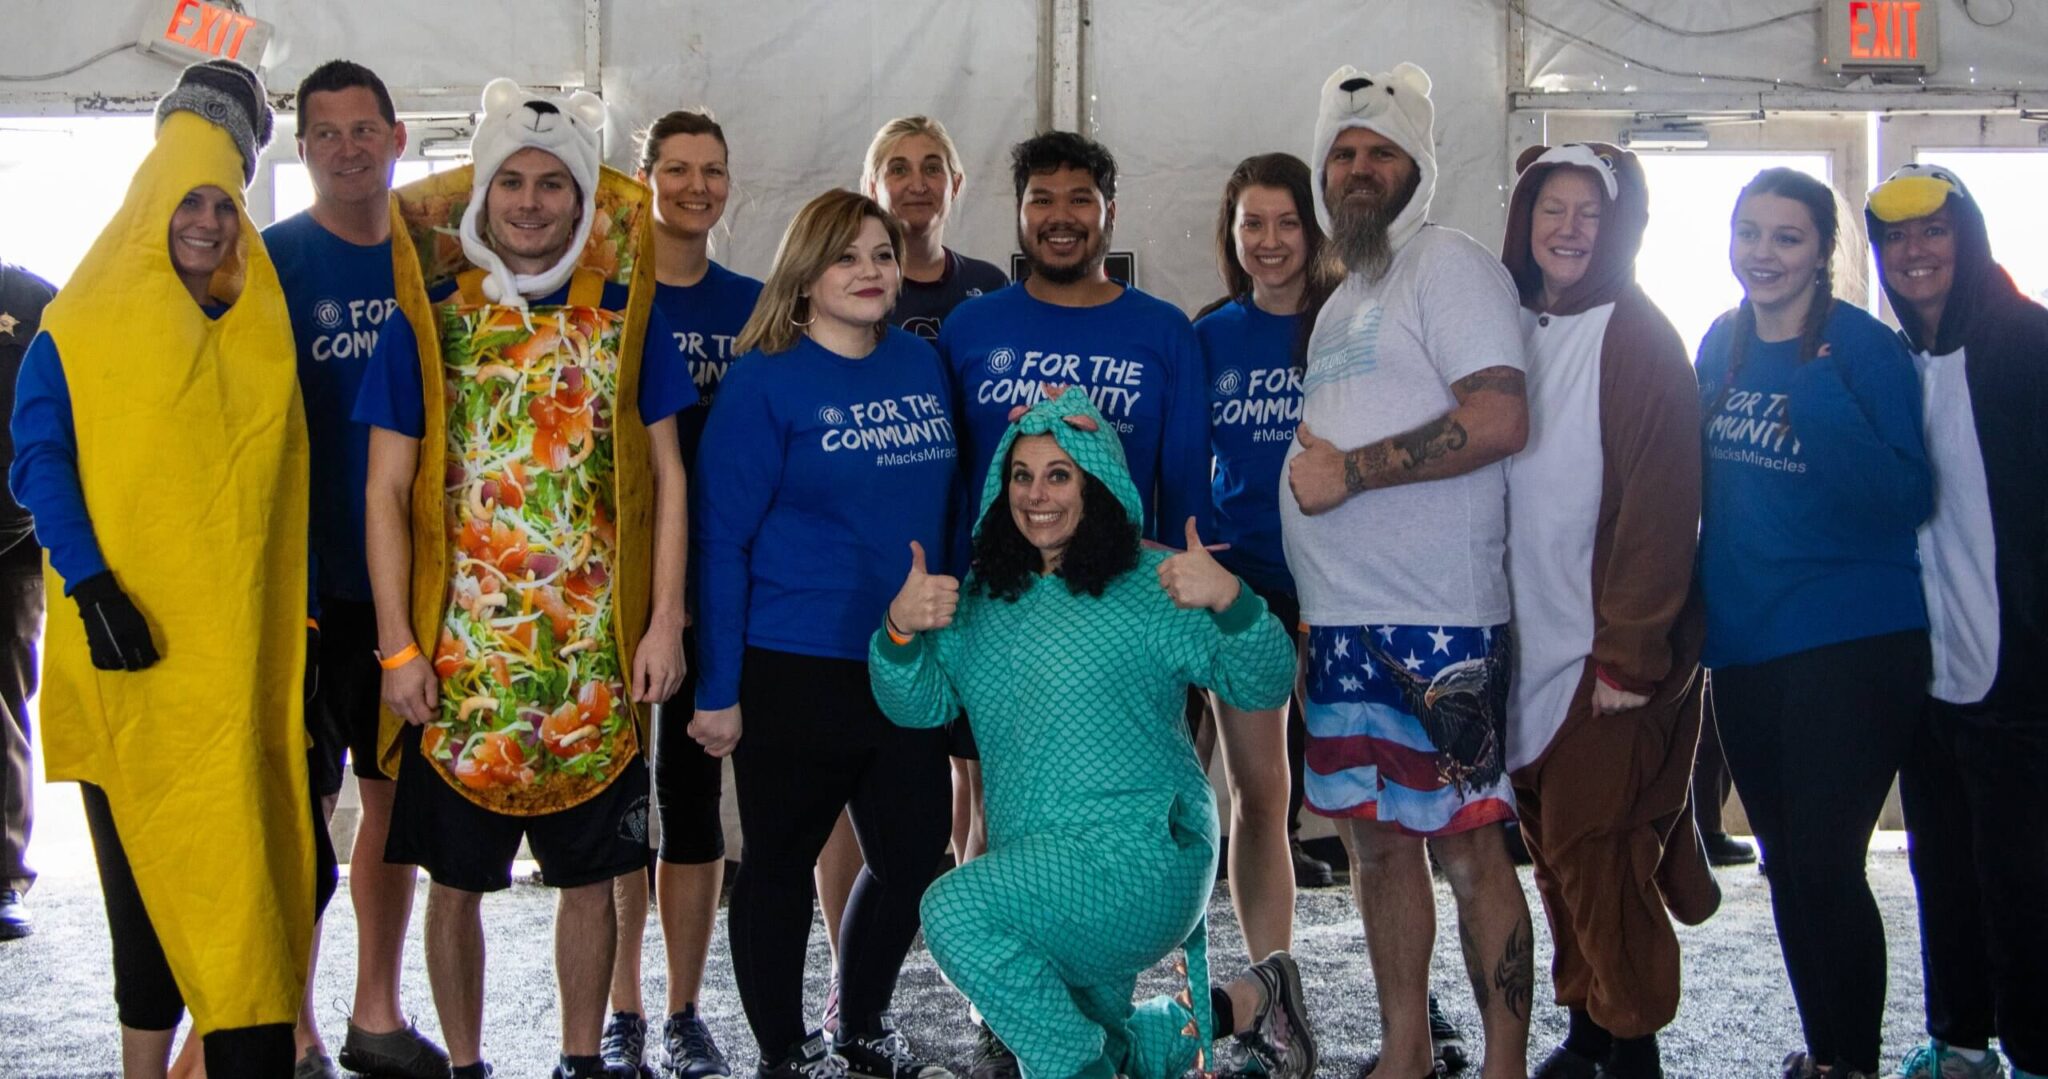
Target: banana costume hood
[192, 458]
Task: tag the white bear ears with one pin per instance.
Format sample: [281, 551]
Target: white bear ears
[1411, 76]
[501, 94]
[587, 107]
[1338, 76]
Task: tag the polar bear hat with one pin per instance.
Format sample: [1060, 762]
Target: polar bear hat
[1394, 104]
[514, 120]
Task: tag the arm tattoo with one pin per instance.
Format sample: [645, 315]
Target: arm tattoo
[1505, 380]
[1363, 463]
[1430, 441]
[1515, 975]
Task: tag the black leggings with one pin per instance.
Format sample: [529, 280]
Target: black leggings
[1814, 740]
[146, 996]
[814, 743]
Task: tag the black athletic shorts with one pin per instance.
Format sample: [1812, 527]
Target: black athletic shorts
[688, 782]
[343, 716]
[464, 846]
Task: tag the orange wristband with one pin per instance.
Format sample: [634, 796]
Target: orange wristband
[401, 658]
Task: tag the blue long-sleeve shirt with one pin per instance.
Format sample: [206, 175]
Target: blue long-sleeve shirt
[1816, 479]
[1138, 359]
[1254, 407]
[44, 475]
[815, 473]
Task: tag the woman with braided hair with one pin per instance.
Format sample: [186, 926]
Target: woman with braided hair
[1815, 481]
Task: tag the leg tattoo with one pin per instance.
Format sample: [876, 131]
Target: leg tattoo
[1515, 975]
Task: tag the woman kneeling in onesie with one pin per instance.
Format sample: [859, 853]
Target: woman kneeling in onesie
[1073, 650]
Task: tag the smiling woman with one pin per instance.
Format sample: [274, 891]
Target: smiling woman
[204, 228]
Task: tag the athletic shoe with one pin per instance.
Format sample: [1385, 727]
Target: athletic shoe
[1446, 1041]
[1309, 870]
[404, 1053]
[315, 1065]
[992, 1059]
[1279, 1042]
[885, 1055]
[1799, 1064]
[1563, 1063]
[1725, 849]
[14, 919]
[830, 1022]
[1933, 1060]
[1372, 1062]
[592, 1068]
[692, 1052]
[814, 1059]
[624, 1045]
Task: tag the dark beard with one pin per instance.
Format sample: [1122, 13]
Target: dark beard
[1359, 232]
[1066, 275]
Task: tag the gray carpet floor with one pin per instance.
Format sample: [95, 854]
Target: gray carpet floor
[57, 1018]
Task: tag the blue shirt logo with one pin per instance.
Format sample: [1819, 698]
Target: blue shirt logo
[1001, 360]
[1229, 382]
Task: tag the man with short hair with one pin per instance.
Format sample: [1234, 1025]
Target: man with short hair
[1973, 786]
[334, 261]
[1069, 323]
[23, 296]
[544, 567]
[1395, 530]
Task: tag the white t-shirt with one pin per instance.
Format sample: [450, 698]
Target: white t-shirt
[1381, 362]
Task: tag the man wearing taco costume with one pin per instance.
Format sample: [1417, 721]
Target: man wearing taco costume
[1604, 707]
[161, 446]
[1102, 828]
[525, 519]
[1975, 786]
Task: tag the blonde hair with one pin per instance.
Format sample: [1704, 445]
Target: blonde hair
[894, 132]
[816, 236]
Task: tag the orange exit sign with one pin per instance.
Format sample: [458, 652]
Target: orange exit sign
[186, 30]
[1881, 35]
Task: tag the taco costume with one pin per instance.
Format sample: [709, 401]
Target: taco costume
[533, 502]
[184, 480]
[1603, 513]
[1102, 827]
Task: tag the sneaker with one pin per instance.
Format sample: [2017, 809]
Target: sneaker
[829, 1023]
[992, 1059]
[624, 1045]
[403, 1054]
[1933, 1060]
[1279, 1041]
[14, 919]
[885, 1055]
[692, 1053]
[592, 1068]
[814, 1059]
[315, 1065]
[480, 1070]
[1449, 1043]
[1799, 1064]
[1725, 849]
[1563, 1063]
[1309, 870]
[1371, 1064]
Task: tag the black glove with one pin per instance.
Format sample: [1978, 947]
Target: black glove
[114, 629]
[312, 661]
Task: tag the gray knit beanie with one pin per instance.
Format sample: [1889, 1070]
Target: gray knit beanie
[229, 96]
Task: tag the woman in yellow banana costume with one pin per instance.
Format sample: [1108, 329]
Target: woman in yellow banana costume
[162, 448]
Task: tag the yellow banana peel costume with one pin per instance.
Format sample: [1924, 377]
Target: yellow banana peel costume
[193, 461]
[532, 508]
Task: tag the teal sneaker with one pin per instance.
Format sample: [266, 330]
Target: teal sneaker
[1933, 1060]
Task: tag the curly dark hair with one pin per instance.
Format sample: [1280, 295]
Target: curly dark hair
[1055, 150]
[1104, 547]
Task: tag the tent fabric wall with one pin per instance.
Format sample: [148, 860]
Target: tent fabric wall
[1973, 56]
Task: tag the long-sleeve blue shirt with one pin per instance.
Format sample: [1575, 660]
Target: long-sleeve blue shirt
[815, 473]
[1816, 479]
[1254, 407]
[1136, 356]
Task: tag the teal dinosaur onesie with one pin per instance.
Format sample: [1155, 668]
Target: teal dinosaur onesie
[1101, 825]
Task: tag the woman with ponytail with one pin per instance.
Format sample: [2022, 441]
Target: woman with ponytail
[1815, 482]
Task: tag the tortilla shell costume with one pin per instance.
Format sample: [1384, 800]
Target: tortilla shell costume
[532, 505]
[192, 458]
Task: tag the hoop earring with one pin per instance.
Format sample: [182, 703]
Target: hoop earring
[806, 301]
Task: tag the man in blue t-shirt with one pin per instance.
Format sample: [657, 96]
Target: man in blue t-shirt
[334, 261]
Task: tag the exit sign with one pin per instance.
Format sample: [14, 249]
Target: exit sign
[1881, 35]
[182, 31]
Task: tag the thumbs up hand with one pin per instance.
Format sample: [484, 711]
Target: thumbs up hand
[1316, 475]
[1193, 578]
[926, 600]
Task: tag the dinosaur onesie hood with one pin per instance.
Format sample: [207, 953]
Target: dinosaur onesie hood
[192, 460]
[1394, 104]
[1073, 421]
